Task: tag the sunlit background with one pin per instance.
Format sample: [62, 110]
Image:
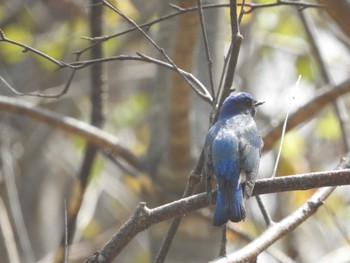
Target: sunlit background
[39, 162]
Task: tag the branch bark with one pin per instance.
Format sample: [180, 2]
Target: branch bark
[288, 224]
[144, 217]
[70, 125]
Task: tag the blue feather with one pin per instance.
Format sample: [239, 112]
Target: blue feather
[233, 144]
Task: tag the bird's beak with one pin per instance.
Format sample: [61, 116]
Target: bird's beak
[258, 103]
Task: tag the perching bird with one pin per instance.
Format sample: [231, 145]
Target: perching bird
[233, 144]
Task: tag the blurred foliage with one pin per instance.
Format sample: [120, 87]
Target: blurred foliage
[131, 110]
[305, 67]
[327, 126]
[275, 51]
[293, 145]
[92, 229]
[11, 53]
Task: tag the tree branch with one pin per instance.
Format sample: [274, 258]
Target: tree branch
[236, 41]
[180, 10]
[153, 43]
[338, 104]
[323, 98]
[98, 98]
[144, 217]
[73, 126]
[206, 45]
[196, 85]
[276, 231]
[288, 224]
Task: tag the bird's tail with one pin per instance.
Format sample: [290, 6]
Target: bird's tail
[229, 205]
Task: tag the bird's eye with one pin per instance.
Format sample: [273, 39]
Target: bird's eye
[247, 102]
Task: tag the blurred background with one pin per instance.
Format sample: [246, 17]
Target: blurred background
[159, 119]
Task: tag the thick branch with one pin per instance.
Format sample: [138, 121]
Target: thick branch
[145, 217]
[276, 231]
[73, 126]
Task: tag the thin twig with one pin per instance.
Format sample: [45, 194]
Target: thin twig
[222, 248]
[180, 10]
[7, 169]
[324, 96]
[242, 12]
[196, 85]
[8, 235]
[161, 50]
[339, 225]
[98, 97]
[193, 180]
[27, 48]
[66, 246]
[284, 131]
[264, 212]
[207, 50]
[60, 64]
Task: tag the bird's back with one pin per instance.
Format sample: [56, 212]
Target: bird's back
[233, 144]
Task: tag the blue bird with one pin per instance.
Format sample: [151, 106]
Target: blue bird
[233, 144]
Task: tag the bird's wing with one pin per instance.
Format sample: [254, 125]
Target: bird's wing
[208, 161]
[225, 155]
[250, 151]
[221, 156]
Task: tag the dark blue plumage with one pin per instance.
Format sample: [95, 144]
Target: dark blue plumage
[233, 144]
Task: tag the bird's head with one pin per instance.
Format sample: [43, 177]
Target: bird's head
[238, 103]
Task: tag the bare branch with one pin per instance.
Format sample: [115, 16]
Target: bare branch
[265, 213]
[276, 231]
[206, 45]
[144, 217]
[98, 99]
[8, 234]
[338, 104]
[73, 126]
[27, 48]
[12, 193]
[161, 50]
[180, 10]
[223, 243]
[60, 64]
[42, 95]
[196, 85]
[324, 97]
[232, 58]
[284, 132]
[280, 229]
